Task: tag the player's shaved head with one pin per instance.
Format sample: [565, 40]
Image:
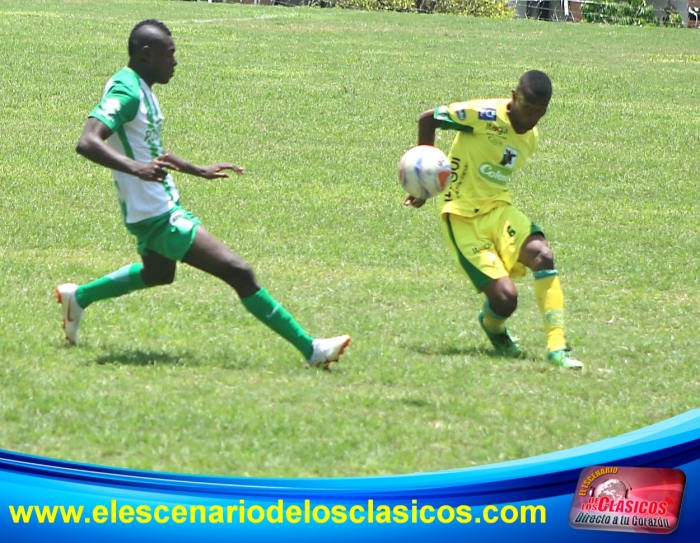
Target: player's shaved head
[152, 52]
[530, 101]
[146, 33]
[536, 86]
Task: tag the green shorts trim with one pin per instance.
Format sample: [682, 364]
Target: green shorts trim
[170, 235]
[493, 244]
[479, 279]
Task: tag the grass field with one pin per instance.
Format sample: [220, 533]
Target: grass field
[318, 105]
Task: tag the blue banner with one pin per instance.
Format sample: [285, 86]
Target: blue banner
[42, 499]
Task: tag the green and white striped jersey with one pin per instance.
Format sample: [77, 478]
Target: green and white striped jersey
[132, 113]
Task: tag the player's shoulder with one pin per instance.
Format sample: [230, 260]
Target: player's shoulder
[479, 110]
[126, 81]
[121, 99]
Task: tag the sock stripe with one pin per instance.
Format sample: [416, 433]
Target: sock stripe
[543, 274]
[490, 312]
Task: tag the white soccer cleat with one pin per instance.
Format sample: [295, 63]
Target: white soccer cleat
[72, 312]
[328, 350]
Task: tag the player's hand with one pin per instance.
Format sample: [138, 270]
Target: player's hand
[217, 171]
[156, 170]
[412, 201]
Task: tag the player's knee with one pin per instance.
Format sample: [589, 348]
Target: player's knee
[504, 300]
[243, 272]
[239, 274]
[544, 259]
[158, 278]
[539, 255]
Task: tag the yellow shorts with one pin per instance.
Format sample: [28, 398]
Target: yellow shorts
[487, 247]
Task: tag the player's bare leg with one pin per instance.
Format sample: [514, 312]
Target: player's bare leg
[157, 270]
[501, 302]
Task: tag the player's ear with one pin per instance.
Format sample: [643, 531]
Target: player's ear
[145, 54]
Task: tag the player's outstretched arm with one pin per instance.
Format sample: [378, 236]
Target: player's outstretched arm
[427, 126]
[92, 146]
[213, 171]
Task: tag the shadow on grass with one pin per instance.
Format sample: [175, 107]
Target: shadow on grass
[137, 357]
[451, 350]
[446, 350]
[413, 402]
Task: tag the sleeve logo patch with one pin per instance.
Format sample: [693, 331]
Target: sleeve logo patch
[487, 114]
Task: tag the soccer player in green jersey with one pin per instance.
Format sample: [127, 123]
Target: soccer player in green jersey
[491, 239]
[123, 133]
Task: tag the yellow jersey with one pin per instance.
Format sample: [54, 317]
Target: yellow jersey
[484, 155]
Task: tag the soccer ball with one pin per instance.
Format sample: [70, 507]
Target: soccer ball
[424, 171]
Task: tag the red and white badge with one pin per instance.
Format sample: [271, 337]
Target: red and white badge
[626, 499]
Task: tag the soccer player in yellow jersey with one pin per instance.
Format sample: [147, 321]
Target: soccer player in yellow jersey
[491, 239]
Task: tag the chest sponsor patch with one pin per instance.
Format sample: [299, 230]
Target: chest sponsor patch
[510, 156]
[487, 114]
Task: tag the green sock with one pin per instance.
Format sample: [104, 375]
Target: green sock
[118, 283]
[271, 313]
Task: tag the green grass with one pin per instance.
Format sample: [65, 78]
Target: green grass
[318, 105]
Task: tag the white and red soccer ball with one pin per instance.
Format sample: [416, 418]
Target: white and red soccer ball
[424, 171]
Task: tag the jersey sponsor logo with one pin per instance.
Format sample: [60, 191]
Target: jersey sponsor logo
[153, 134]
[454, 168]
[494, 128]
[510, 155]
[487, 114]
[109, 108]
[485, 247]
[494, 173]
[454, 176]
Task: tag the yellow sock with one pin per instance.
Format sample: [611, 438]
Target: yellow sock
[550, 300]
[492, 322]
